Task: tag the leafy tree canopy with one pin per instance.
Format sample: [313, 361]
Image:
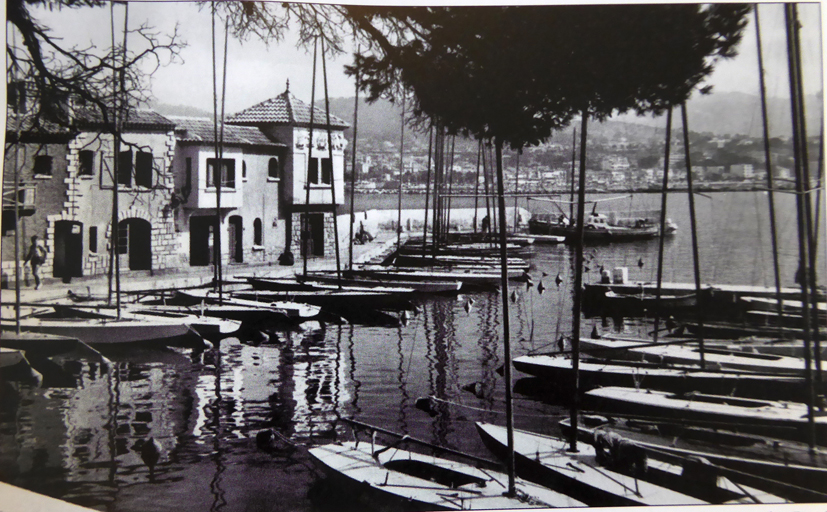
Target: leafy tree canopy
[57, 74]
[516, 73]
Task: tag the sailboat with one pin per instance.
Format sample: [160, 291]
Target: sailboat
[389, 477]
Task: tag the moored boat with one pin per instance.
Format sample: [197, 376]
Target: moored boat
[786, 468]
[547, 461]
[395, 479]
[690, 354]
[595, 372]
[103, 331]
[786, 420]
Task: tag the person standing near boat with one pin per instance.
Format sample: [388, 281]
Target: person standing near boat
[36, 257]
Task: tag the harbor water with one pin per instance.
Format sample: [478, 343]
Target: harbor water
[81, 442]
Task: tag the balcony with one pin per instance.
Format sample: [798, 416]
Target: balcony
[24, 199]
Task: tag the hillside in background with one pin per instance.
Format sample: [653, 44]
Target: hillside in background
[719, 113]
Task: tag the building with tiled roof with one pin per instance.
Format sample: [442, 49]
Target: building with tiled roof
[285, 109]
[202, 130]
[66, 196]
[313, 171]
[251, 183]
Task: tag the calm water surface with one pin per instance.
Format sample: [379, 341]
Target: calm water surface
[78, 443]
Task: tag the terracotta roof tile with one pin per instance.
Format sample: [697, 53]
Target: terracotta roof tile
[285, 109]
[137, 119]
[202, 130]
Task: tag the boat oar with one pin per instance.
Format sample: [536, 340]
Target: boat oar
[406, 438]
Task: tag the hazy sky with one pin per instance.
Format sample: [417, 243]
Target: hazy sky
[256, 72]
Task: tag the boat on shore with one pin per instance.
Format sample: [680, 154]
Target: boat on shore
[787, 420]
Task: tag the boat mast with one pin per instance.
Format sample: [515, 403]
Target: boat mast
[218, 168]
[221, 152]
[305, 218]
[332, 173]
[353, 170]
[427, 189]
[438, 139]
[17, 123]
[571, 180]
[663, 195]
[695, 259]
[768, 165]
[578, 281]
[808, 209]
[401, 170]
[791, 20]
[509, 414]
[120, 105]
[450, 188]
[516, 187]
[477, 185]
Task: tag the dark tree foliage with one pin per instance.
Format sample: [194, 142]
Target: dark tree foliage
[515, 74]
[57, 75]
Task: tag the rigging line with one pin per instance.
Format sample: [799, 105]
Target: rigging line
[480, 409]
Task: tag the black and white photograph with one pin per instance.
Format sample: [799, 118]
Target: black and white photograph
[264, 256]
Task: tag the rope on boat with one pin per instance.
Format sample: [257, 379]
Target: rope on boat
[471, 407]
[815, 496]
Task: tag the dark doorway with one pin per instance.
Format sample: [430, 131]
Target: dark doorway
[202, 234]
[135, 240]
[68, 260]
[313, 234]
[235, 238]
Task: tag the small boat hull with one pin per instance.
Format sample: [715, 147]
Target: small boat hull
[596, 373]
[397, 479]
[786, 420]
[784, 468]
[546, 461]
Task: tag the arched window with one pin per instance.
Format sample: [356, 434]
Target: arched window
[257, 232]
[273, 168]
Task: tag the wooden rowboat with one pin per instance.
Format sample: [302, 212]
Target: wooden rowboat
[547, 461]
[395, 479]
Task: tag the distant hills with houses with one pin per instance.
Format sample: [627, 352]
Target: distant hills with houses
[720, 113]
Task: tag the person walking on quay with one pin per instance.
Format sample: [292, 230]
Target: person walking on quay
[36, 257]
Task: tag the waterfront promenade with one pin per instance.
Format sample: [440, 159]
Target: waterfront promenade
[190, 277]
